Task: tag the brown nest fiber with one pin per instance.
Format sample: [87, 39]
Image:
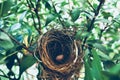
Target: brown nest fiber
[53, 44]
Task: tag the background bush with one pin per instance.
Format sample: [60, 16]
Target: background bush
[96, 23]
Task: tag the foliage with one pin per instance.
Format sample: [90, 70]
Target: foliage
[95, 22]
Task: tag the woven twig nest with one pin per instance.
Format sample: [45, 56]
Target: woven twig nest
[60, 54]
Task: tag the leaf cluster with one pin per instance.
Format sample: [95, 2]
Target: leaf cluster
[96, 23]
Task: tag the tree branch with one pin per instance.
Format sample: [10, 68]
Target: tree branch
[13, 39]
[31, 7]
[90, 27]
[102, 30]
[39, 21]
[91, 6]
[4, 75]
[37, 15]
[59, 18]
[99, 6]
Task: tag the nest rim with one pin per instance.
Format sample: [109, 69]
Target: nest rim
[62, 68]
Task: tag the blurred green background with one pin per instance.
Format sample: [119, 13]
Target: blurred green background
[96, 23]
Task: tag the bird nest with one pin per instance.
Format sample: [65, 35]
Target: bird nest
[60, 54]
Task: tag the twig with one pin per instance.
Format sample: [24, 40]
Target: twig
[91, 6]
[93, 20]
[36, 11]
[102, 30]
[31, 7]
[5, 76]
[118, 22]
[59, 18]
[3, 73]
[99, 6]
[35, 23]
[13, 39]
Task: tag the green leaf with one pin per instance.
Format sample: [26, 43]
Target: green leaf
[68, 23]
[3, 78]
[116, 57]
[47, 5]
[93, 68]
[106, 15]
[100, 47]
[104, 56]
[15, 27]
[5, 7]
[113, 73]
[22, 16]
[49, 19]
[5, 41]
[29, 35]
[27, 61]
[102, 20]
[110, 76]
[75, 14]
[88, 69]
[9, 53]
[96, 60]
[96, 65]
[1, 58]
[64, 3]
[115, 69]
[95, 6]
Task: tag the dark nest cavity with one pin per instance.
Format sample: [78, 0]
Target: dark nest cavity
[58, 43]
[54, 43]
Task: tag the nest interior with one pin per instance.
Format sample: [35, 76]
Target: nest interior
[54, 43]
[59, 44]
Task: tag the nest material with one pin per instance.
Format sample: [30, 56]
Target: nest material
[54, 43]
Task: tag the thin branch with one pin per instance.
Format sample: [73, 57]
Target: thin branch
[91, 6]
[8, 56]
[59, 18]
[4, 76]
[39, 23]
[3, 73]
[99, 6]
[35, 23]
[38, 17]
[13, 39]
[90, 27]
[107, 25]
[102, 30]
[31, 7]
[118, 22]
